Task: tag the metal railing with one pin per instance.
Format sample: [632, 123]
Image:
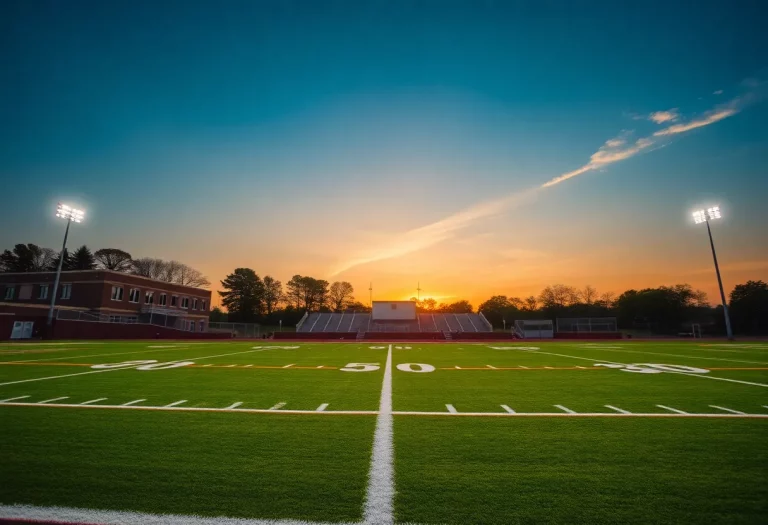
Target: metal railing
[241, 330]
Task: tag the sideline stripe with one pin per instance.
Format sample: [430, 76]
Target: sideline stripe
[509, 410]
[51, 400]
[380, 495]
[322, 407]
[619, 410]
[176, 403]
[678, 413]
[93, 401]
[672, 409]
[234, 405]
[129, 403]
[71, 516]
[451, 409]
[13, 398]
[564, 409]
[727, 409]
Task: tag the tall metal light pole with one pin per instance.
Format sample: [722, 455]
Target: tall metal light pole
[700, 216]
[70, 215]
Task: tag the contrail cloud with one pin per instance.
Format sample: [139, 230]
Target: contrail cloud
[612, 151]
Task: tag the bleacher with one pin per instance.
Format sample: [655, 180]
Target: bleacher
[353, 322]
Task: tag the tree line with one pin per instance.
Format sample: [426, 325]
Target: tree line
[33, 258]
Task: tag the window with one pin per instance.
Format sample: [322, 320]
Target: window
[43, 292]
[134, 296]
[194, 304]
[191, 326]
[9, 291]
[203, 305]
[202, 326]
[185, 302]
[149, 298]
[117, 293]
[174, 300]
[66, 291]
[163, 299]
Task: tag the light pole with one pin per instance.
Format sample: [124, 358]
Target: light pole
[70, 215]
[700, 216]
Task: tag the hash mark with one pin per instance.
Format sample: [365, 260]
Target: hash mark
[619, 410]
[234, 405]
[13, 398]
[451, 409]
[491, 367]
[129, 403]
[278, 406]
[176, 403]
[521, 366]
[564, 409]
[727, 409]
[54, 399]
[288, 366]
[505, 407]
[672, 409]
[322, 407]
[93, 401]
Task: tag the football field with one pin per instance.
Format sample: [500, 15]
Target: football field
[282, 432]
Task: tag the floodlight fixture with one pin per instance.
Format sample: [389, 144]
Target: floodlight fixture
[70, 214]
[700, 216]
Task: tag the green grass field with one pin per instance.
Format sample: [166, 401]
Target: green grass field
[520, 432]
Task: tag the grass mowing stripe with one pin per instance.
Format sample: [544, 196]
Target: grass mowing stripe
[379, 501]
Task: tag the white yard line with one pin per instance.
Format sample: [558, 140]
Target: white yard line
[619, 410]
[676, 411]
[507, 409]
[176, 403]
[380, 496]
[93, 401]
[52, 400]
[732, 411]
[451, 409]
[34, 514]
[234, 405]
[13, 398]
[129, 403]
[564, 409]
[116, 369]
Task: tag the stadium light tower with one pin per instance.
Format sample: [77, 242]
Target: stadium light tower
[70, 215]
[700, 216]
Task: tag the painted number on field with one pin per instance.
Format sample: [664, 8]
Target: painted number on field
[150, 364]
[654, 368]
[274, 347]
[124, 364]
[529, 348]
[360, 367]
[419, 368]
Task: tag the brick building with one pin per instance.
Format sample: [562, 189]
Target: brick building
[105, 296]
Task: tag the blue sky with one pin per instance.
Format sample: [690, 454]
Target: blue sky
[297, 137]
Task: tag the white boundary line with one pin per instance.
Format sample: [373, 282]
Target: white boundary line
[380, 495]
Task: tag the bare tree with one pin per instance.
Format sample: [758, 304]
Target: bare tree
[170, 272]
[188, 276]
[42, 259]
[588, 295]
[607, 299]
[113, 259]
[531, 303]
[148, 267]
[517, 302]
[273, 293]
[340, 294]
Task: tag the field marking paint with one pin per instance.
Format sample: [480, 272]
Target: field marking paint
[727, 409]
[13, 398]
[68, 515]
[289, 366]
[94, 355]
[509, 410]
[577, 366]
[175, 403]
[322, 407]
[619, 410]
[685, 356]
[676, 411]
[458, 368]
[247, 366]
[705, 376]
[93, 401]
[229, 366]
[492, 367]
[51, 400]
[111, 369]
[278, 406]
[521, 366]
[380, 494]
[578, 415]
[129, 403]
[234, 405]
[451, 409]
[206, 365]
[564, 409]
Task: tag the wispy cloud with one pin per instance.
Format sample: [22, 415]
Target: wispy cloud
[660, 117]
[612, 151]
[718, 92]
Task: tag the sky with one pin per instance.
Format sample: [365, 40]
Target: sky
[472, 148]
